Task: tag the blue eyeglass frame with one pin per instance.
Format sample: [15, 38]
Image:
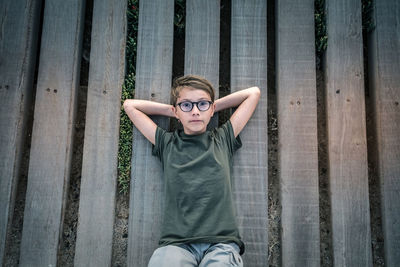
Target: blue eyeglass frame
[195, 103]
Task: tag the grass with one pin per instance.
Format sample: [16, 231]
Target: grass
[321, 36]
[128, 90]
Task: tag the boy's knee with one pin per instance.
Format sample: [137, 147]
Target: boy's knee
[171, 256]
[222, 255]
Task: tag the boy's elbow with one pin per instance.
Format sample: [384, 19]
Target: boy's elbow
[128, 103]
[257, 91]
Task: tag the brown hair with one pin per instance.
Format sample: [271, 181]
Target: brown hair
[193, 81]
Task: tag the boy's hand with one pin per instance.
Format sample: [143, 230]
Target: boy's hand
[246, 102]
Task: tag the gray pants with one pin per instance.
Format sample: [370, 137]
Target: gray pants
[197, 255]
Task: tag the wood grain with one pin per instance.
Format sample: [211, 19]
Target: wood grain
[298, 145]
[100, 152]
[18, 48]
[153, 82]
[202, 39]
[50, 156]
[249, 68]
[385, 86]
[348, 166]
[202, 43]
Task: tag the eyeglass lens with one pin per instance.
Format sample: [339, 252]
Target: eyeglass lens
[187, 106]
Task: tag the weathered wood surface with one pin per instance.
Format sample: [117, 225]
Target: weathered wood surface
[18, 47]
[385, 87]
[100, 153]
[49, 166]
[348, 167]
[153, 82]
[298, 145]
[202, 39]
[202, 42]
[249, 68]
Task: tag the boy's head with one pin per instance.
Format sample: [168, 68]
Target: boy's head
[195, 96]
[191, 81]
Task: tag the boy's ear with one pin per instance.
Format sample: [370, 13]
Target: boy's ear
[174, 111]
[213, 109]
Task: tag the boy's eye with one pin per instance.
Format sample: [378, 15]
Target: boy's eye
[203, 105]
[186, 105]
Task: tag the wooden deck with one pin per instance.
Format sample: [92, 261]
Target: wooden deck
[55, 102]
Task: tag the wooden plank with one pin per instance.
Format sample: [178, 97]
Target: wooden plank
[249, 68]
[202, 39]
[348, 166]
[153, 81]
[100, 152]
[18, 48]
[202, 42]
[50, 156]
[297, 117]
[385, 85]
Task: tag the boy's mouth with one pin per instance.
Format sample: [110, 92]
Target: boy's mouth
[195, 121]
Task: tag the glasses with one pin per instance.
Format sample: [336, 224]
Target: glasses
[202, 105]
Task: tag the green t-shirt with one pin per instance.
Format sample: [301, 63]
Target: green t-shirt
[199, 207]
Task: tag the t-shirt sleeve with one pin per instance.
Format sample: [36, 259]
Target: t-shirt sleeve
[232, 142]
[158, 147]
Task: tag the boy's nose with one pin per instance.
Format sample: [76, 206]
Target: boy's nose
[195, 110]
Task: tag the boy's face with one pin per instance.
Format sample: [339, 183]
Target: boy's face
[195, 121]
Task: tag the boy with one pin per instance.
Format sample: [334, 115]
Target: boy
[199, 227]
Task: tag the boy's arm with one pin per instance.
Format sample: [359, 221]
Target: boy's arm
[246, 102]
[138, 112]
